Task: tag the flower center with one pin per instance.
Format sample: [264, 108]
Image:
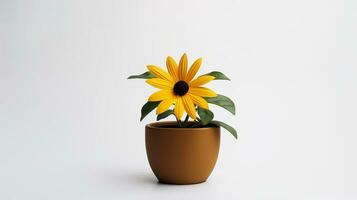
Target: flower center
[181, 88]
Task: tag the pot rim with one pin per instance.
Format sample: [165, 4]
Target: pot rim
[158, 125]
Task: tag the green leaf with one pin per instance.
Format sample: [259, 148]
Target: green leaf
[222, 101]
[218, 75]
[165, 114]
[206, 116]
[146, 75]
[227, 127]
[147, 108]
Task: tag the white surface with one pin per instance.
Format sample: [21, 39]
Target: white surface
[69, 125]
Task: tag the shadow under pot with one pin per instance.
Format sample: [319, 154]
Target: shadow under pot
[181, 155]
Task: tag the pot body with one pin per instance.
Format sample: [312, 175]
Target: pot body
[181, 155]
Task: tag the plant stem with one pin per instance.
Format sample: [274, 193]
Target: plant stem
[179, 122]
[197, 123]
[186, 121]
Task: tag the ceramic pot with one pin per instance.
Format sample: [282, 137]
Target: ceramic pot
[181, 155]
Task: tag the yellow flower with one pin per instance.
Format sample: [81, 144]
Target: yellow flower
[178, 88]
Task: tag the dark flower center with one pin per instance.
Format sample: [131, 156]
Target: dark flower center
[181, 88]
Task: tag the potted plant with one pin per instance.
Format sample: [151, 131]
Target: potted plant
[183, 151]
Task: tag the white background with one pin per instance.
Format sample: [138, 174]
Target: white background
[69, 119]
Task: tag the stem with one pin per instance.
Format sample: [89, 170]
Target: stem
[186, 121]
[197, 123]
[178, 122]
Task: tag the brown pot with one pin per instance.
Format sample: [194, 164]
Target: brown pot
[181, 155]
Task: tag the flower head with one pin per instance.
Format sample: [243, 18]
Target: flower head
[178, 87]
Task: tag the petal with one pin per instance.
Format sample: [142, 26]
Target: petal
[199, 101]
[189, 106]
[160, 73]
[201, 80]
[160, 83]
[202, 92]
[172, 67]
[178, 111]
[193, 69]
[182, 69]
[164, 105]
[161, 95]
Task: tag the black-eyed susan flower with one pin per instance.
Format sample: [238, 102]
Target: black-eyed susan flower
[178, 86]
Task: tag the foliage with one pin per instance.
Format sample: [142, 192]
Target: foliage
[199, 100]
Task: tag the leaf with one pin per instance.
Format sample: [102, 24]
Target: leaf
[227, 127]
[147, 108]
[224, 102]
[146, 75]
[206, 116]
[218, 75]
[164, 114]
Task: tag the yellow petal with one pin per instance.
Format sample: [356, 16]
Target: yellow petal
[182, 69]
[179, 109]
[160, 83]
[189, 106]
[172, 67]
[202, 91]
[160, 73]
[201, 80]
[164, 105]
[193, 70]
[199, 101]
[161, 95]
